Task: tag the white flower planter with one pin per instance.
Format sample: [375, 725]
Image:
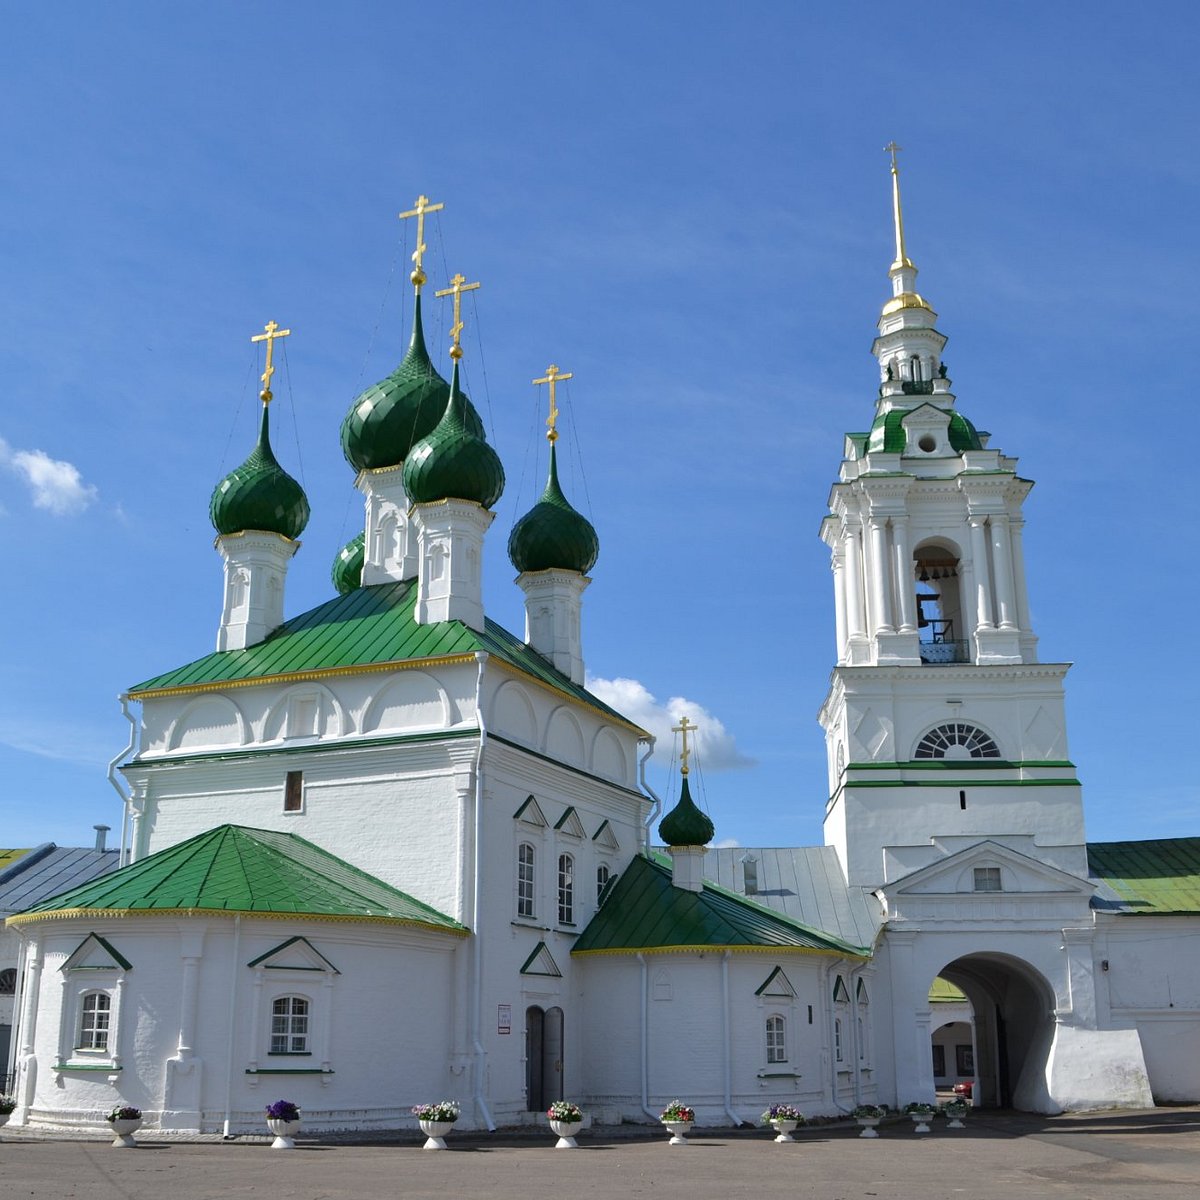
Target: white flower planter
[870, 1126]
[123, 1132]
[921, 1121]
[285, 1133]
[566, 1131]
[783, 1126]
[955, 1120]
[679, 1131]
[435, 1133]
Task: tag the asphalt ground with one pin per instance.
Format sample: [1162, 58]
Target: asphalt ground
[1148, 1155]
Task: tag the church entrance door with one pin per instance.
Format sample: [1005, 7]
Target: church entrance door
[543, 1057]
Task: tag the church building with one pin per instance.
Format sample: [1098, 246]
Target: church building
[386, 851]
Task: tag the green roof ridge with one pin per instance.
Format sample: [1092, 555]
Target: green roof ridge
[259, 494]
[553, 535]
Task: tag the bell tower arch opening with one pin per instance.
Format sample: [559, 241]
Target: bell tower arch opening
[941, 629]
[1012, 1006]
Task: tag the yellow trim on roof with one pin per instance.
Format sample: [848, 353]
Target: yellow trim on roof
[304, 676]
[708, 947]
[63, 914]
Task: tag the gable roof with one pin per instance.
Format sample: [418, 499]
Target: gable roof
[1158, 877]
[371, 628]
[49, 869]
[989, 851]
[645, 911]
[233, 870]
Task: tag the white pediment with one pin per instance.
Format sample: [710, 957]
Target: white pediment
[296, 954]
[956, 875]
[95, 953]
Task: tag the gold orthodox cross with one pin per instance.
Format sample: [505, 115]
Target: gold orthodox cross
[422, 207]
[553, 375]
[272, 332]
[683, 729]
[892, 149]
[458, 285]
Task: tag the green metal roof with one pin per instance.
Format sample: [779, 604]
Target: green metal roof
[232, 870]
[8, 857]
[1147, 877]
[944, 992]
[645, 911]
[888, 434]
[370, 628]
[552, 535]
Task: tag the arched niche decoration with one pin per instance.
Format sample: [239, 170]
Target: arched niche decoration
[512, 714]
[609, 759]
[564, 738]
[306, 710]
[211, 720]
[412, 700]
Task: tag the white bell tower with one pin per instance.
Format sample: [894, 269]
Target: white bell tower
[942, 728]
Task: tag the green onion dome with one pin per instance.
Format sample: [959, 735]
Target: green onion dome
[685, 824]
[389, 417]
[259, 494]
[552, 535]
[348, 565]
[453, 462]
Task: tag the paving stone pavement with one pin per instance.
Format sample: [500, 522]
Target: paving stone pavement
[1148, 1155]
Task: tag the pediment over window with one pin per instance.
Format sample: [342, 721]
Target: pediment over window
[605, 838]
[541, 962]
[570, 824]
[776, 984]
[530, 813]
[840, 993]
[95, 953]
[296, 954]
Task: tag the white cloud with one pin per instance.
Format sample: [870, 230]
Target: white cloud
[57, 486]
[726, 844]
[713, 743]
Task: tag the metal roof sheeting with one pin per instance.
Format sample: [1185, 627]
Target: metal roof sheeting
[1156, 877]
[49, 869]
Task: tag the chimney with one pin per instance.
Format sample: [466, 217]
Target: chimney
[101, 835]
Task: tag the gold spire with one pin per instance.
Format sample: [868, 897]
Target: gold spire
[553, 375]
[902, 259]
[683, 729]
[422, 207]
[272, 332]
[458, 285]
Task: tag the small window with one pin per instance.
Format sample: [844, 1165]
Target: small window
[94, 1018]
[987, 879]
[289, 1025]
[956, 739]
[776, 1039]
[8, 981]
[293, 792]
[566, 890]
[837, 1039]
[602, 875]
[525, 880]
[862, 1041]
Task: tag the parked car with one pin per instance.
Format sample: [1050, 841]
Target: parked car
[965, 1088]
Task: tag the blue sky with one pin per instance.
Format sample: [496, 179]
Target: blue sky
[685, 205]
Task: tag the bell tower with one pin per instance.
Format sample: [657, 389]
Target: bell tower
[942, 727]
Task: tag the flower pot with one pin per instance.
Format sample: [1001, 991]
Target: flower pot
[679, 1131]
[921, 1121]
[566, 1131]
[123, 1131]
[954, 1120]
[285, 1133]
[870, 1126]
[783, 1126]
[435, 1133]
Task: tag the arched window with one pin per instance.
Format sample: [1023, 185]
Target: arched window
[956, 740]
[525, 880]
[289, 1025]
[602, 874]
[776, 1039]
[8, 981]
[566, 890]
[94, 1017]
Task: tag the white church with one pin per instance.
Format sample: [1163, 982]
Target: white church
[385, 851]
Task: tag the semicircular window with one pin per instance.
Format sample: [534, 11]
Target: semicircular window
[957, 740]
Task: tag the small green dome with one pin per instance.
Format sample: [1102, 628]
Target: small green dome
[348, 565]
[453, 462]
[259, 494]
[383, 424]
[685, 824]
[552, 535]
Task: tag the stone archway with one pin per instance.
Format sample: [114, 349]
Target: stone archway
[1013, 1007]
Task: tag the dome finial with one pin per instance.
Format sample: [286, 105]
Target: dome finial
[458, 285]
[423, 206]
[553, 375]
[902, 259]
[272, 332]
[683, 729]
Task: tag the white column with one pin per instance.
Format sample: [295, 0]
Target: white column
[903, 574]
[1002, 559]
[1015, 527]
[854, 597]
[878, 564]
[188, 986]
[838, 566]
[983, 577]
